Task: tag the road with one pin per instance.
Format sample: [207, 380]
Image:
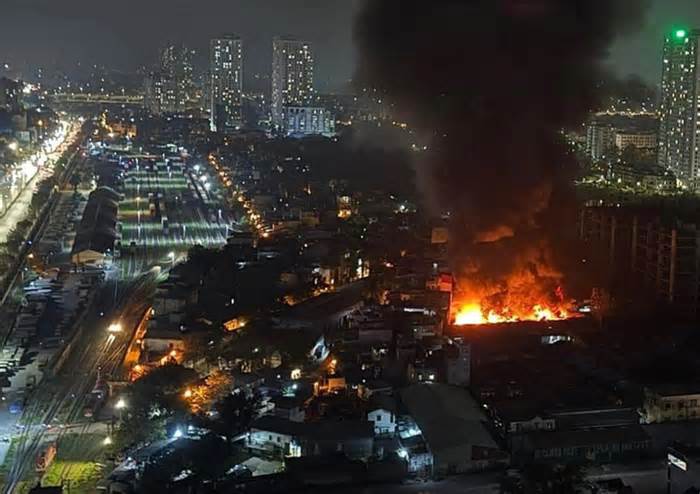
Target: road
[644, 478]
[191, 219]
[482, 483]
[20, 197]
[62, 400]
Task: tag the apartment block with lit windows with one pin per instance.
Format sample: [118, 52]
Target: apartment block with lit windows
[292, 77]
[679, 133]
[226, 84]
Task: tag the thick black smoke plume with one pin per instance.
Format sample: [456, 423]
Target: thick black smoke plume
[495, 83]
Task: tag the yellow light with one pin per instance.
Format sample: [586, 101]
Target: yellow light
[469, 314]
[114, 328]
[187, 393]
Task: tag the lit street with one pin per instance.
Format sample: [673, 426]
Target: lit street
[56, 407]
[60, 402]
[32, 172]
[350, 246]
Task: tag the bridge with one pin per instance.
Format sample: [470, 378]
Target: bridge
[96, 99]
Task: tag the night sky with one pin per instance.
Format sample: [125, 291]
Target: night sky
[126, 34]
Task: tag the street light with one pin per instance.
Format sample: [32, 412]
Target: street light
[120, 404]
[107, 441]
[114, 328]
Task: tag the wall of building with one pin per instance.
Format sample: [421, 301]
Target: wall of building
[269, 441]
[384, 421]
[658, 408]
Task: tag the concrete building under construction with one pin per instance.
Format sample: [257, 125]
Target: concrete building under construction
[656, 252]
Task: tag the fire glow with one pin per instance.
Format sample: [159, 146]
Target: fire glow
[481, 312]
[472, 314]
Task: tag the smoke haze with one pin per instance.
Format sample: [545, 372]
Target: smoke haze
[493, 83]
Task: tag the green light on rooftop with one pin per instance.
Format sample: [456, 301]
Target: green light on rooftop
[681, 33]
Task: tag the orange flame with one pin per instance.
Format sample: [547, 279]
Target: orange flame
[526, 288]
[473, 313]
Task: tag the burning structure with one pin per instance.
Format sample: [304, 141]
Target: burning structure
[494, 84]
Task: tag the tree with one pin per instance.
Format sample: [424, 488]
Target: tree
[208, 459]
[205, 460]
[75, 181]
[235, 413]
[6, 260]
[201, 260]
[136, 428]
[216, 386]
[15, 239]
[24, 225]
[162, 388]
[158, 475]
[197, 346]
[153, 400]
[42, 195]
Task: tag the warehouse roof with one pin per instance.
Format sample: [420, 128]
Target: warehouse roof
[97, 230]
[450, 420]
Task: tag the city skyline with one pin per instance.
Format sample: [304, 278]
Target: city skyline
[257, 23]
[289, 246]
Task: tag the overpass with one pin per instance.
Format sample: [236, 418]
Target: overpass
[96, 99]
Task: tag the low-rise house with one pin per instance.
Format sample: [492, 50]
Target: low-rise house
[670, 403]
[369, 389]
[276, 435]
[173, 297]
[516, 417]
[384, 421]
[163, 345]
[458, 363]
[330, 384]
[424, 325]
[422, 372]
[289, 407]
[162, 341]
[417, 455]
[353, 438]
